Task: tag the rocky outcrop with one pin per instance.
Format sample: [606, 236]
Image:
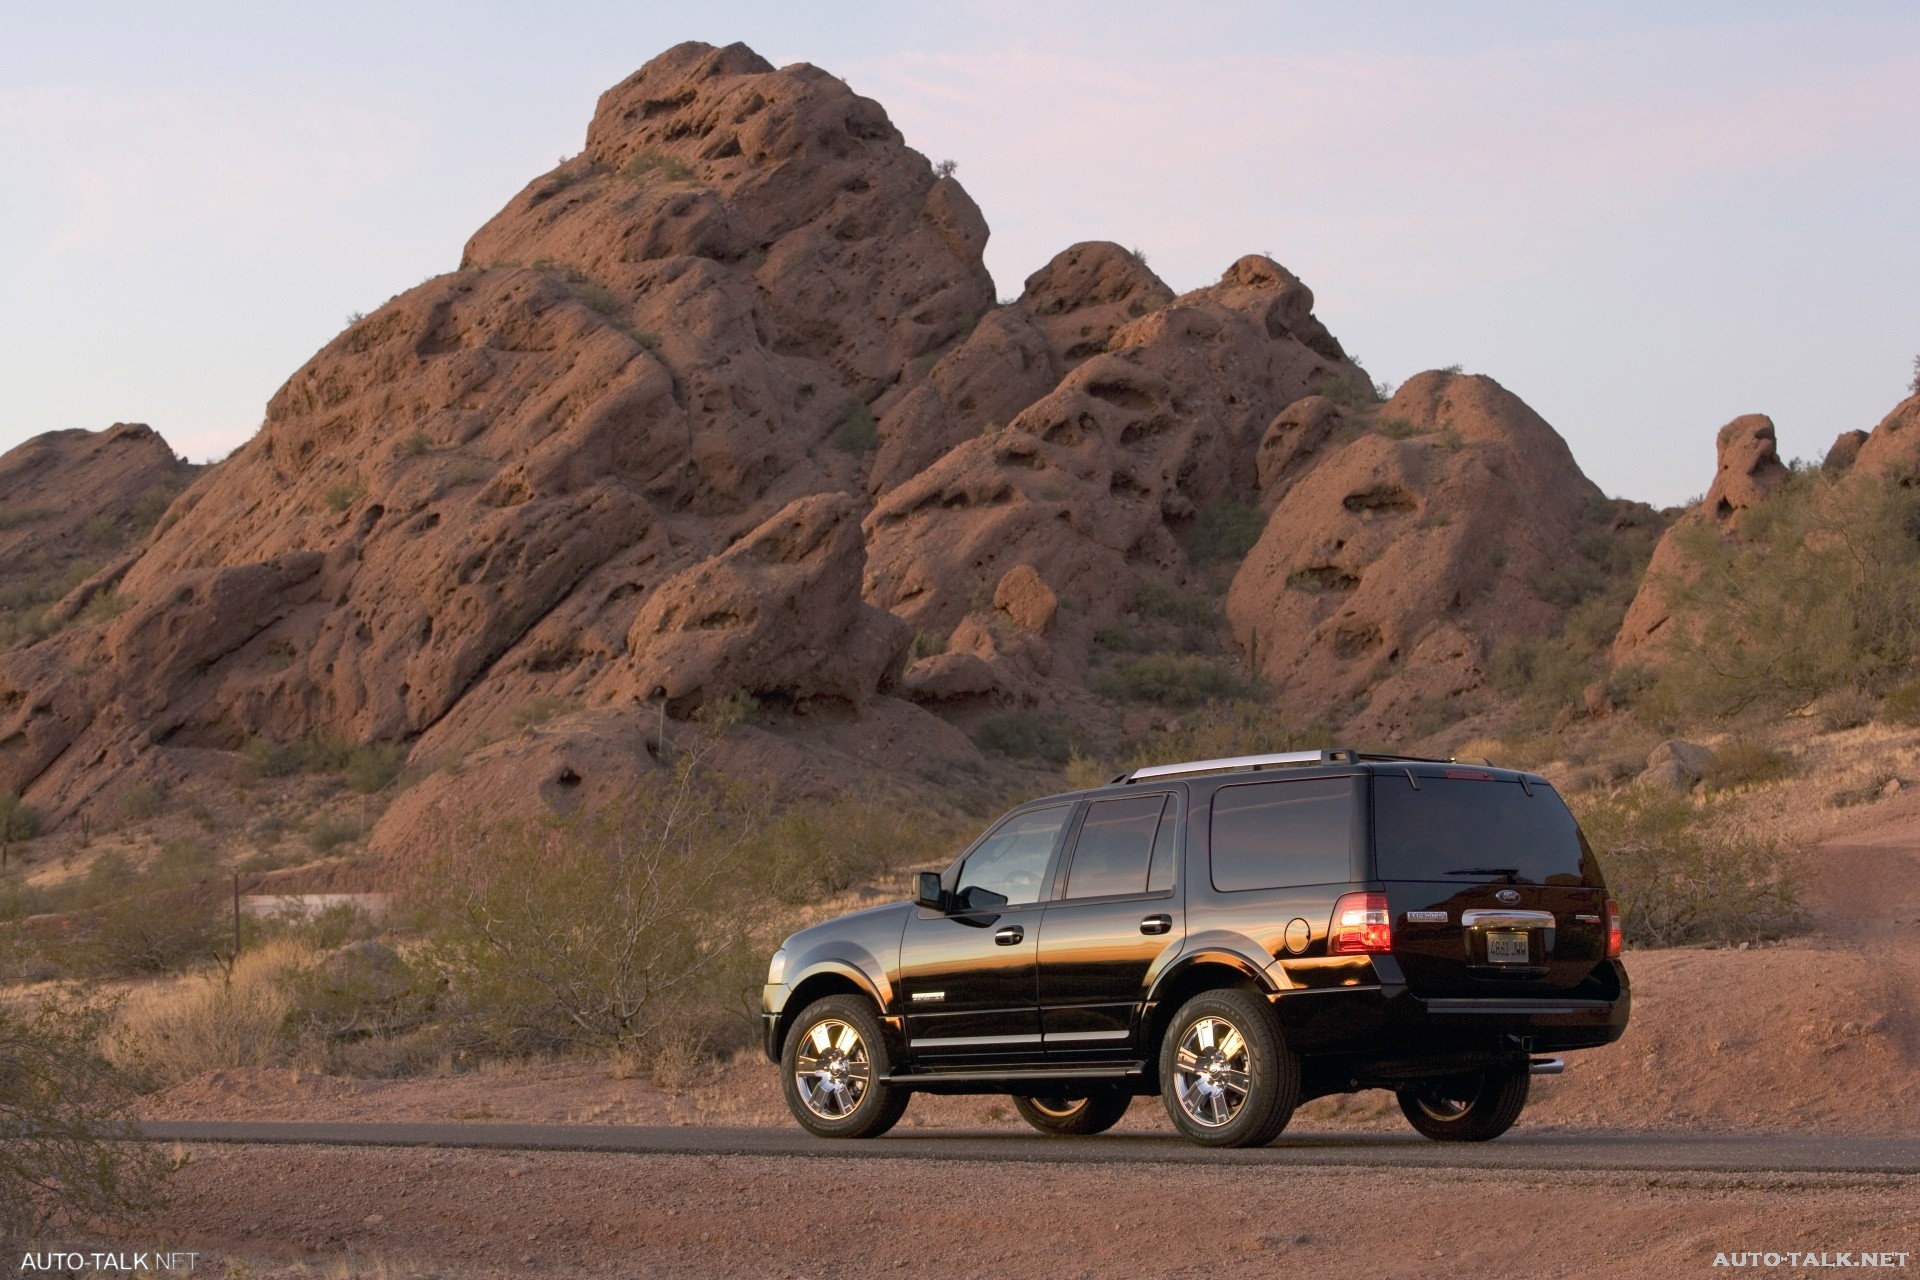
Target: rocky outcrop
[1093, 483]
[1748, 469]
[1892, 450]
[1392, 562]
[72, 504]
[465, 501]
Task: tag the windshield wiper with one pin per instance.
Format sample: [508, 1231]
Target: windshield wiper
[1511, 873]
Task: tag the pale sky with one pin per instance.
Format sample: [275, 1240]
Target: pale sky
[1643, 219]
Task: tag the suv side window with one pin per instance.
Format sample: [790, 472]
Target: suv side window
[1271, 835]
[1010, 865]
[1116, 847]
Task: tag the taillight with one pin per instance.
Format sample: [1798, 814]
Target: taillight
[1613, 929]
[1361, 925]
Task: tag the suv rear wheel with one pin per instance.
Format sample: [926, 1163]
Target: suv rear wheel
[1469, 1108]
[1073, 1117]
[833, 1068]
[1228, 1078]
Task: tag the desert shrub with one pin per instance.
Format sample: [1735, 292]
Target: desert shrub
[162, 925]
[374, 766]
[1871, 787]
[652, 163]
[417, 444]
[1902, 704]
[925, 645]
[1818, 590]
[1225, 530]
[816, 850]
[331, 831]
[65, 1126]
[211, 1020]
[1023, 734]
[539, 710]
[1226, 729]
[1085, 772]
[343, 496]
[1182, 608]
[141, 801]
[1348, 390]
[1679, 881]
[1747, 761]
[856, 431]
[1172, 680]
[14, 517]
[596, 931]
[18, 819]
[151, 505]
[264, 758]
[1847, 709]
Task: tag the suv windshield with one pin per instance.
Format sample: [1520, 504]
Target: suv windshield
[1476, 829]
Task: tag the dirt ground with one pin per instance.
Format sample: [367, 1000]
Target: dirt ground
[1821, 1033]
[466, 1215]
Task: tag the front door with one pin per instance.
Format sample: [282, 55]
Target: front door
[968, 975]
[1117, 914]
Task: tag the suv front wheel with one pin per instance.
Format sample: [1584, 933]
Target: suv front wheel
[1226, 1075]
[1469, 1108]
[833, 1069]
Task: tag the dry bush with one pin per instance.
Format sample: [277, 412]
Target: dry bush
[64, 1125]
[1747, 761]
[1847, 709]
[1680, 882]
[175, 1030]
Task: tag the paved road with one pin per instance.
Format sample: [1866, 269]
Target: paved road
[1654, 1152]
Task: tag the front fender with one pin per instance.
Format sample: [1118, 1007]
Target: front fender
[840, 959]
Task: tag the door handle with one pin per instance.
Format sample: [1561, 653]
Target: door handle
[1156, 924]
[1009, 935]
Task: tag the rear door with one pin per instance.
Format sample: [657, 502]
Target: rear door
[1491, 887]
[1114, 913]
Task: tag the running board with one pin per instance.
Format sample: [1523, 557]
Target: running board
[1546, 1066]
[1016, 1074]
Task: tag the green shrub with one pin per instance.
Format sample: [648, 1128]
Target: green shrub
[926, 644]
[816, 850]
[164, 925]
[417, 444]
[343, 496]
[65, 1125]
[1902, 704]
[857, 432]
[1182, 608]
[141, 801]
[374, 766]
[329, 833]
[18, 820]
[14, 517]
[1024, 734]
[1681, 883]
[264, 758]
[1225, 530]
[1172, 680]
[1817, 590]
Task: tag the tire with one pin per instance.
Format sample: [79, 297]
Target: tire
[1226, 1075]
[1469, 1108]
[832, 1067]
[1074, 1117]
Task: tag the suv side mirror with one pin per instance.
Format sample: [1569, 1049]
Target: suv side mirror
[927, 891]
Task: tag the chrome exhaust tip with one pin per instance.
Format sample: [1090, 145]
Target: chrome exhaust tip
[1546, 1066]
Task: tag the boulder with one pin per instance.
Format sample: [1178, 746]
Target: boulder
[1024, 597]
[949, 677]
[1676, 765]
[1749, 466]
[1846, 449]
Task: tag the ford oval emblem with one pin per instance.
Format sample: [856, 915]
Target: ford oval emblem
[1508, 896]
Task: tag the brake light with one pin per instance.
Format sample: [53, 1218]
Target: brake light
[1361, 925]
[1613, 929]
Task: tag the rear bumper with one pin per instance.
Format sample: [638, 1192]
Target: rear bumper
[1388, 1021]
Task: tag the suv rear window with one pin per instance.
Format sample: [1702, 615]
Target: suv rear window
[1271, 835]
[1474, 829]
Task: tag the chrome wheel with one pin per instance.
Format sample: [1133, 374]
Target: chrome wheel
[1212, 1072]
[833, 1069]
[1439, 1106]
[1060, 1108]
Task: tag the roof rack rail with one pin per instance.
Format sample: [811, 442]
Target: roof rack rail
[1278, 759]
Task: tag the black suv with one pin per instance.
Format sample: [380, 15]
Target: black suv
[1237, 936]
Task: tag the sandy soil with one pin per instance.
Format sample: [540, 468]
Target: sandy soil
[283, 1212]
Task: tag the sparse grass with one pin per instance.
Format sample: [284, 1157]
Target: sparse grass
[541, 709]
[206, 1021]
[652, 163]
[1024, 735]
[1225, 530]
[1173, 680]
[1871, 788]
[1680, 882]
[856, 432]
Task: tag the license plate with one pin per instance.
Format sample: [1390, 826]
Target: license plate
[1507, 948]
